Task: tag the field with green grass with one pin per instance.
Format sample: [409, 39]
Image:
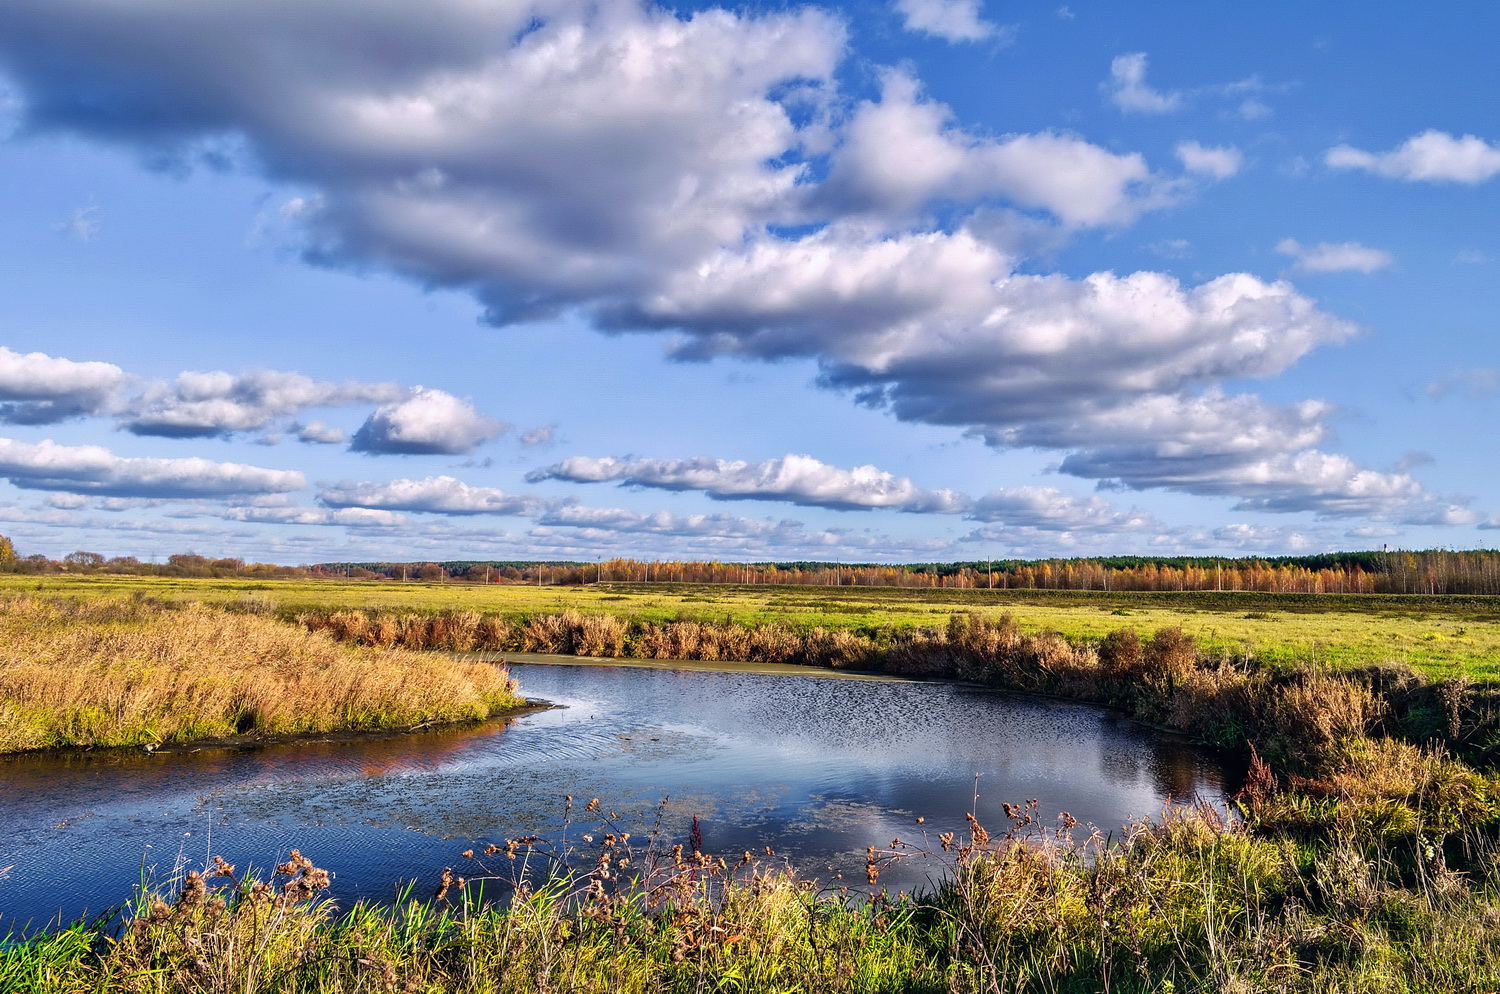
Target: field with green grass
[1442, 636]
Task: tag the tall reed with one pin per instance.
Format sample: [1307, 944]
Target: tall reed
[116, 673]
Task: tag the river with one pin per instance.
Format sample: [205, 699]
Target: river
[816, 767]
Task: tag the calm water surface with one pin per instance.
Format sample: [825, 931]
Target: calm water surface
[817, 768]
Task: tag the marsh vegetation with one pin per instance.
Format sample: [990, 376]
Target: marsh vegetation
[1443, 636]
[1361, 854]
[128, 672]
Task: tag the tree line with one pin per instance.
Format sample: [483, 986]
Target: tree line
[1431, 571]
[1434, 571]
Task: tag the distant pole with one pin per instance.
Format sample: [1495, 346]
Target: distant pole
[992, 574]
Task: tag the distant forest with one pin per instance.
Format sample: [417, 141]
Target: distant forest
[1434, 571]
[1431, 571]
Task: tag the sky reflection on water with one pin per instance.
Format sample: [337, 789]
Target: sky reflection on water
[816, 768]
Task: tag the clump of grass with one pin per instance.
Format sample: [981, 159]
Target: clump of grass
[127, 673]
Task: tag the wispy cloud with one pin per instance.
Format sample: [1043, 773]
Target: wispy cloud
[1475, 382]
[1329, 257]
[84, 223]
[433, 495]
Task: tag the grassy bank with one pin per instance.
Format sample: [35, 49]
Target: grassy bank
[1443, 636]
[1382, 878]
[1167, 678]
[110, 672]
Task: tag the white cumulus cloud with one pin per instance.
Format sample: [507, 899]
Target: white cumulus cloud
[795, 479]
[1128, 90]
[952, 20]
[92, 469]
[36, 388]
[428, 422]
[433, 495]
[202, 404]
[719, 534]
[902, 152]
[318, 433]
[1430, 157]
[1219, 162]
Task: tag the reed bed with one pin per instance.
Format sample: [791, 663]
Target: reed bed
[1442, 636]
[136, 673]
[1294, 714]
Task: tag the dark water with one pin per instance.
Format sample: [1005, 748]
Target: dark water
[816, 768]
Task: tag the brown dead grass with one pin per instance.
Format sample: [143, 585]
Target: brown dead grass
[117, 673]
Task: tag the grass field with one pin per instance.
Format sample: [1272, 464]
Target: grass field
[1442, 636]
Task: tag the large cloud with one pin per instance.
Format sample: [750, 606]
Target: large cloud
[429, 422]
[200, 404]
[435, 494]
[458, 141]
[36, 388]
[90, 469]
[796, 479]
[939, 329]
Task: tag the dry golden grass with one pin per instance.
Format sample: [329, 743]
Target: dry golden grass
[115, 673]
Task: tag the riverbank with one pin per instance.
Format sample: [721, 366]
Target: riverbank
[1293, 714]
[1442, 636]
[108, 673]
[1380, 878]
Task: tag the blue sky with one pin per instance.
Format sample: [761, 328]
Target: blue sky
[302, 280]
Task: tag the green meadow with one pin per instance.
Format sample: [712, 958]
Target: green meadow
[1443, 636]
